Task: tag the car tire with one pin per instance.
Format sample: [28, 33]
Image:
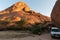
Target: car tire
[52, 36]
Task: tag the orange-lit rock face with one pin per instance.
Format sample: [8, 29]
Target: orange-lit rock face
[21, 11]
[55, 15]
[16, 19]
[19, 6]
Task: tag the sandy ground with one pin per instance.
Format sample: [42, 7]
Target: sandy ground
[22, 35]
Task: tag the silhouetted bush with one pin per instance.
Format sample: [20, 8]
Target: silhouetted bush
[36, 28]
[21, 24]
[11, 27]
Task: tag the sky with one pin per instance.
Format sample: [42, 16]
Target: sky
[42, 6]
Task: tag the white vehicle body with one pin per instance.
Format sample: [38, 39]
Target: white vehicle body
[55, 32]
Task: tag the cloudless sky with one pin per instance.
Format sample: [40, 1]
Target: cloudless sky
[43, 6]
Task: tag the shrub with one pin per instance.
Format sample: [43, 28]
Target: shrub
[36, 28]
[21, 23]
[11, 27]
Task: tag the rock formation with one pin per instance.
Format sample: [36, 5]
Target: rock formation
[20, 11]
[55, 15]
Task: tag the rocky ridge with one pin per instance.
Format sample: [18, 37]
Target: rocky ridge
[21, 10]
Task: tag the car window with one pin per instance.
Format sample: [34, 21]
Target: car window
[56, 30]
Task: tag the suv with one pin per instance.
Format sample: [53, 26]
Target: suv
[55, 32]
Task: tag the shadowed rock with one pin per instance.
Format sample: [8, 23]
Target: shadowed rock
[55, 15]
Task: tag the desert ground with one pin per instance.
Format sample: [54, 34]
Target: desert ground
[23, 35]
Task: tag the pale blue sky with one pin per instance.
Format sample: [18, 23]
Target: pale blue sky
[42, 6]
